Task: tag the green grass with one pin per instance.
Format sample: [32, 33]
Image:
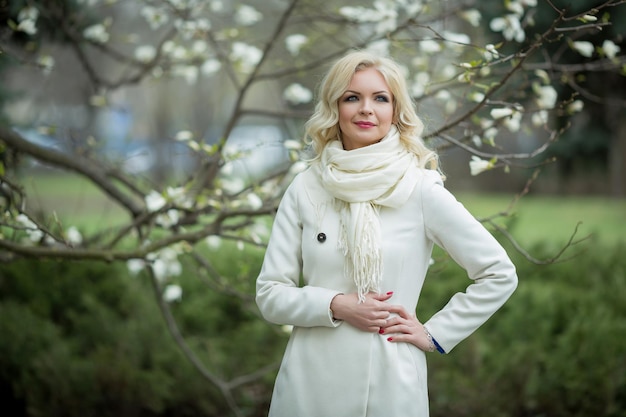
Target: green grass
[553, 219]
[534, 219]
[73, 200]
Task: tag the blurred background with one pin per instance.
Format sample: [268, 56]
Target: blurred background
[144, 146]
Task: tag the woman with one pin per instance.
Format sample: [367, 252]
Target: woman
[350, 248]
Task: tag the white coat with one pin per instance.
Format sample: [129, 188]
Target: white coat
[332, 369]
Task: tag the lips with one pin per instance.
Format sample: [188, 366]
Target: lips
[365, 124]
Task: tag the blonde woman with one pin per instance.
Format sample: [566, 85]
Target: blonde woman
[350, 248]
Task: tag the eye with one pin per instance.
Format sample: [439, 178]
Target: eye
[351, 97]
[382, 98]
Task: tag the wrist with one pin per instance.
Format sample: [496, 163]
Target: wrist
[334, 306]
[431, 342]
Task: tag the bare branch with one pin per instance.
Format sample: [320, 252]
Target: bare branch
[89, 170]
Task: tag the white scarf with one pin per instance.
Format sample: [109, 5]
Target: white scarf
[363, 179]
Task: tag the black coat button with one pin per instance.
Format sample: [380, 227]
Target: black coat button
[321, 237]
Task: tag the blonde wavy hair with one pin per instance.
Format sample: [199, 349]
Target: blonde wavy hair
[323, 126]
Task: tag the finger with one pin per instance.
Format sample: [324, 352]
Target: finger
[383, 296]
[400, 311]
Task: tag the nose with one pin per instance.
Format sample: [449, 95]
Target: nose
[366, 107]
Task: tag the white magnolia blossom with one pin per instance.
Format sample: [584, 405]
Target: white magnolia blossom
[575, 106]
[27, 20]
[540, 118]
[166, 264]
[430, 46]
[172, 293]
[449, 103]
[298, 167]
[298, 94]
[213, 242]
[185, 4]
[489, 135]
[546, 96]
[232, 185]
[96, 33]
[490, 52]
[476, 96]
[135, 266]
[478, 165]
[384, 14]
[419, 84]
[589, 18]
[74, 236]
[610, 49]
[199, 47]
[155, 16]
[247, 15]
[246, 55]
[447, 72]
[584, 48]
[472, 16]
[360, 14]
[179, 196]
[188, 72]
[515, 7]
[291, 144]
[501, 112]
[145, 53]
[168, 219]
[254, 201]
[543, 76]
[33, 232]
[514, 122]
[46, 62]
[179, 53]
[210, 66]
[510, 27]
[183, 135]
[27, 26]
[154, 201]
[295, 42]
[216, 6]
[189, 28]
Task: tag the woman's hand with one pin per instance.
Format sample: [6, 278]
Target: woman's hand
[369, 316]
[407, 328]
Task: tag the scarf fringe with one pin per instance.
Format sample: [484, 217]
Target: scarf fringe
[365, 259]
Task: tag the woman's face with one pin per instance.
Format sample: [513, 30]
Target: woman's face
[365, 109]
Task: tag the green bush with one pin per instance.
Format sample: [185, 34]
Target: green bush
[557, 348]
[86, 339]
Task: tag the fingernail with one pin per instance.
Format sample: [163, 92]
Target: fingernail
[389, 339]
[390, 292]
[381, 331]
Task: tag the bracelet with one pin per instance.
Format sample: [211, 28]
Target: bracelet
[431, 342]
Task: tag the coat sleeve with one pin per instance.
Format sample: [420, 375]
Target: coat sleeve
[467, 241]
[278, 295]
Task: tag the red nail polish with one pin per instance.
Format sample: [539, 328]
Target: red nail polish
[389, 339]
[390, 292]
[381, 331]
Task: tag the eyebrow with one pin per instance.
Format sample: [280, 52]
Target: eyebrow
[374, 93]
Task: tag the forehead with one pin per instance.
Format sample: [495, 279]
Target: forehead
[368, 79]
